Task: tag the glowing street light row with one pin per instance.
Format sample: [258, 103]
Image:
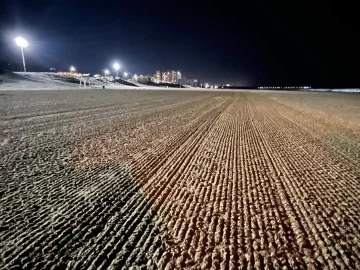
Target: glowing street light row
[22, 43]
[106, 71]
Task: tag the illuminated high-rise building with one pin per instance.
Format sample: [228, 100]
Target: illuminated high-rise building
[171, 76]
[157, 76]
[166, 77]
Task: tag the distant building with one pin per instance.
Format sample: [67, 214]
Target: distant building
[171, 76]
[72, 73]
[191, 82]
[143, 79]
[166, 77]
[157, 76]
[186, 81]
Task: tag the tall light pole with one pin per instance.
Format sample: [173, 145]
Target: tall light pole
[125, 74]
[106, 72]
[116, 66]
[72, 69]
[22, 43]
[179, 80]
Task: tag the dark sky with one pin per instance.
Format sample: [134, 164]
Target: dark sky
[240, 42]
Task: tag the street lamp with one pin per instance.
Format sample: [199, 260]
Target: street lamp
[125, 74]
[179, 78]
[106, 72]
[72, 69]
[22, 43]
[116, 66]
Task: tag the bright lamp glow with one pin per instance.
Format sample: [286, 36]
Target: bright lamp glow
[106, 71]
[21, 42]
[125, 74]
[72, 69]
[116, 66]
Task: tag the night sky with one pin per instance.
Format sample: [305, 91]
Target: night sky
[240, 42]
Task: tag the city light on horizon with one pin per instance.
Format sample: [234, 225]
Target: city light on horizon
[284, 87]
